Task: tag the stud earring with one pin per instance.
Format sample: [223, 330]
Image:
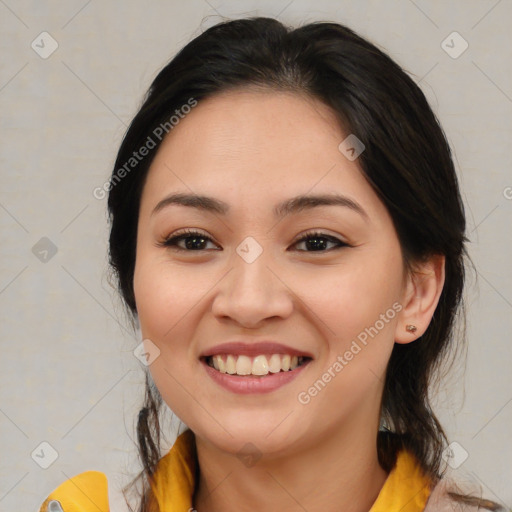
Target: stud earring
[411, 328]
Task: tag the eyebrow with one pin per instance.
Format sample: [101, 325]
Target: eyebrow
[293, 205]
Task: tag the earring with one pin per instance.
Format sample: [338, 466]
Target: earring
[411, 328]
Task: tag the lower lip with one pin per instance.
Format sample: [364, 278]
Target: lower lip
[247, 385]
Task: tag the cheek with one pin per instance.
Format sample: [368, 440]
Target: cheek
[164, 295]
[358, 306]
[350, 297]
[163, 301]
[166, 299]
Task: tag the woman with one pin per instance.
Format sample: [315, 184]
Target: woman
[287, 229]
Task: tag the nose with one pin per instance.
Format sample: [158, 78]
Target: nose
[252, 292]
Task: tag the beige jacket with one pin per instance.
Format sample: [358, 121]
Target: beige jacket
[440, 500]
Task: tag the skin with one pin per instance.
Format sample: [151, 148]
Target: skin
[316, 456]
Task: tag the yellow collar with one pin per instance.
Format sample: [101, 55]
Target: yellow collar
[405, 490]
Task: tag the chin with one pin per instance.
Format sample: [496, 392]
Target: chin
[251, 439]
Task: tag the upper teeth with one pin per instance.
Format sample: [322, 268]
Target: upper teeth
[259, 365]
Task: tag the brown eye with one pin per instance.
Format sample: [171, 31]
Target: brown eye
[317, 242]
[193, 241]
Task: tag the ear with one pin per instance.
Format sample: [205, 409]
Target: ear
[420, 296]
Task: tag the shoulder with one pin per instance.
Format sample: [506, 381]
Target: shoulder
[86, 492]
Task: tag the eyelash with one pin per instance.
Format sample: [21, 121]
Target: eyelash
[171, 242]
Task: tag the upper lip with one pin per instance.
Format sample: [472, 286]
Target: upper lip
[253, 349]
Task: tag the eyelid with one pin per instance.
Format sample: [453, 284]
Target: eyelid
[321, 234]
[314, 233]
[181, 234]
[188, 231]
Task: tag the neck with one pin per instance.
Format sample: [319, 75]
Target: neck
[339, 472]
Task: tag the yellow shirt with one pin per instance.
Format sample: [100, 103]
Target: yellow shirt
[405, 490]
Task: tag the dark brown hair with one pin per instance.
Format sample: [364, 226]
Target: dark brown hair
[407, 160]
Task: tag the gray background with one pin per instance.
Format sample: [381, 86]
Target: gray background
[68, 373]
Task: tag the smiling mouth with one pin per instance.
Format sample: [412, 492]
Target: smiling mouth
[259, 366]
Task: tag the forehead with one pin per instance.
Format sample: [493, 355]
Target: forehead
[244, 124]
[243, 144]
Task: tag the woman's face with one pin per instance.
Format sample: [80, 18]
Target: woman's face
[334, 296]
